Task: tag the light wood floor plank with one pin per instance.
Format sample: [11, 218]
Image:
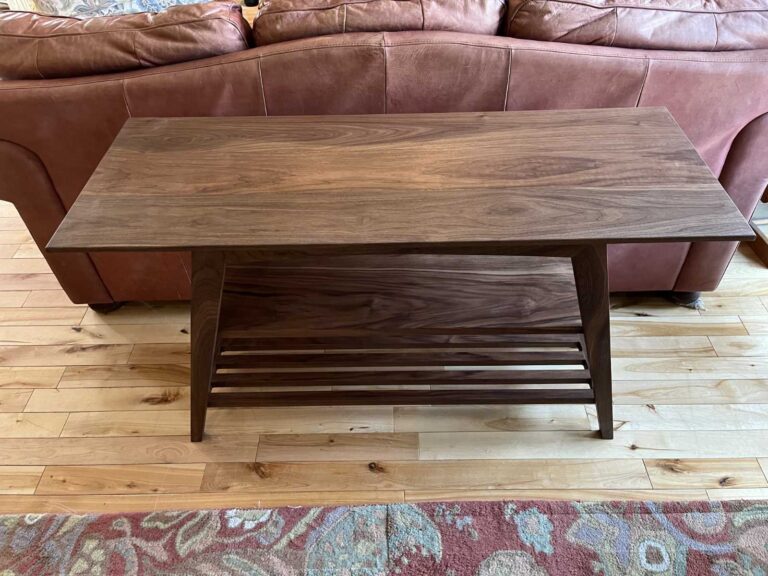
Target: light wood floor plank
[141, 313]
[485, 418]
[676, 474]
[689, 368]
[15, 237]
[28, 281]
[88, 335]
[148, 478]
[143, 450]
[160, 354]
[730, 286]
[50, 299]
[661, 346]
[756, 325]
[642, 306]
[740, 345]
[695, 391]
[24, 266]
[109, 399]
[686, 417]
[8, 250]
[764, 465]
[738, 494]
[124, 376]
[19, 479]
[13, 298]
[65, 355]
[28, 250]
[20, 425]
[627, 444]
[730, 305]
[39, 318]
[583, 495]
[336, 447]
[405, 475]
[13, 400]
[678, 326]
[222, 421]
[35, 377]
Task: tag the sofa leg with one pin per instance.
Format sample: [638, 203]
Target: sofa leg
[687, 299]
[106, 308]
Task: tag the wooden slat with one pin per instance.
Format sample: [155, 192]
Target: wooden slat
[705, 473]
[363, 397]
[395, 378]
[265, 477]
[389, 341]
[397, 359]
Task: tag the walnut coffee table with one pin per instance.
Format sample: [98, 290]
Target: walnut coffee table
[420, 256]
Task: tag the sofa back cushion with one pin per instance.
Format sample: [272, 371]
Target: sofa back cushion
[34, 46]
[280, 20]
[650, 24]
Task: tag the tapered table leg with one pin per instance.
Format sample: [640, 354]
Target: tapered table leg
[590, 269]
[207, 283]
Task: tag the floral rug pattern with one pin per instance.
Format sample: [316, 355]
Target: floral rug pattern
[448, 539]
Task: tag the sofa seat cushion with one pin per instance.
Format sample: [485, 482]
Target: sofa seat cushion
[650, 24]
[34, 46]
[281, 20]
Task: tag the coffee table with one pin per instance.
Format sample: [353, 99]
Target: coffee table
[420, 255]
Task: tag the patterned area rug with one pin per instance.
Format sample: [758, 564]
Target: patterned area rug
[445, 539]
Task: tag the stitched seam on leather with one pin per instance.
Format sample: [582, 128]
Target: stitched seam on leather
[37, 60]
[125, 99]
[509, 77]
[642, 84]
[386, 70]
[344, 24]
[261, 83]
[717, 33]
[636, 7]
[96, 33]
[158, 70]
[136, 52]
[423, 17]
[321, 8]
[615, 25]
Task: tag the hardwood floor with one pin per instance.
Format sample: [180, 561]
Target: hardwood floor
[94, 415]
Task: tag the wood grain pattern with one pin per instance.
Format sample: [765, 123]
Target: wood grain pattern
[267, 477]
[157, 478]
[19, 479]
[684, 474]
[404, 180]
[330, 447]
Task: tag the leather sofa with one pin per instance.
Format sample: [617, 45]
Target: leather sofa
[334, 59]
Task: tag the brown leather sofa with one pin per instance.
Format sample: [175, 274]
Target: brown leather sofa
[384, 56]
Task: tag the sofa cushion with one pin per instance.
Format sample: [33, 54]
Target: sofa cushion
[650, 24]
[35, 46]
[280, 20]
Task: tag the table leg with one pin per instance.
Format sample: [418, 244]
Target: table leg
[207, 283]
[590, 269]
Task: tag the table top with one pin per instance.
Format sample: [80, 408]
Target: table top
[406, 180]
